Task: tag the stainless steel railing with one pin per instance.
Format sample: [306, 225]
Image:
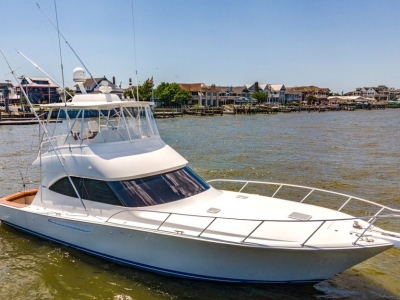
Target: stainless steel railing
[311, 191]
[394, 213]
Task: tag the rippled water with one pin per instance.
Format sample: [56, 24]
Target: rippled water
[351, 152]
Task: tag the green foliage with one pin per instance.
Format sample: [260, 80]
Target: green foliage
[260, 96]
[131, 93]
[67, 89]
[171, 94]
[145, 91]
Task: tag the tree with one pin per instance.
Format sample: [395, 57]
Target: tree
[145, 91]
[311, 99]
[172, 94]
[71, 92]
[131, 93]
[260, 96]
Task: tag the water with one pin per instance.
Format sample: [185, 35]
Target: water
[350, 152]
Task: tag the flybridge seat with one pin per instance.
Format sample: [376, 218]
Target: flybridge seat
[90, 130]
[93, 127]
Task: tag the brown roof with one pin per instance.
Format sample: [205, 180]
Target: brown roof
[197, 87]
[309, 89]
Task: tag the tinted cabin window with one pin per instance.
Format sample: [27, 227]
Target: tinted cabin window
[153, 190]
[159, 189]
[89, 189]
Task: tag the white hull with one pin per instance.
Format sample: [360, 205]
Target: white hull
[185, 256]
[111, 187]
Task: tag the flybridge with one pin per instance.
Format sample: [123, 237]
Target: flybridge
[101, 118]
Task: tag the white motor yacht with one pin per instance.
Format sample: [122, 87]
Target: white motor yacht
[111, 187]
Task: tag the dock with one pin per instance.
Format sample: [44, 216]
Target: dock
[167, 112]
[18, 122]
[21, 121]
[204, 111]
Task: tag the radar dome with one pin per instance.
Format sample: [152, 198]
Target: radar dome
[79, 75]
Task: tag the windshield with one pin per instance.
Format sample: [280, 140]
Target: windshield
[88, 126]
[159, 189]
[147, 191]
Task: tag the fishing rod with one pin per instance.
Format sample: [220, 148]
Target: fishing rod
[40, 69]
[43, 127]
[23, 180]
[60, 34]
[134, 45]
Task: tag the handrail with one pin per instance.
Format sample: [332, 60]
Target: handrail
[261, 222]
[138, 209]
[395, 213]
[312, 189]
[365, 230]
[169, 214]
[310, 236]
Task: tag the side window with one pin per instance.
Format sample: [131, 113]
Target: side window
[159, 189]
[89, 189]
[64, 187]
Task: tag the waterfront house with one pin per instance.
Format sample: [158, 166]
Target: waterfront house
[39, 89]
[292, 95]
[234, 94]
[262, 87]
[203, 95]
[276, 93]
[379, 93]
[369, 92]
[321, 94]
[92, 85]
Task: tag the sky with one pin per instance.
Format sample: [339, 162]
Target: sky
[335, 44]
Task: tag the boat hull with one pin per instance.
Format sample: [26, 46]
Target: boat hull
[190, 257]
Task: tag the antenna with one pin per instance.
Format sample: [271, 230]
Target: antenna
[134, 45]
[59, 47]
[60, 34]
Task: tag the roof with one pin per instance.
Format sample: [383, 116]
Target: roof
[292, 90]
[8, 84]
[90, 81]
[197, 87]
[39, 82]
[310, 89]
[275, 87]
[97, 101]
[90, 84]
[262, 86]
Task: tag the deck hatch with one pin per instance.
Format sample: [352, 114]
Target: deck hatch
[299, 216]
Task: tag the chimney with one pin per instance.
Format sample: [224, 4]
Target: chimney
[256, 86]
[113, 79]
